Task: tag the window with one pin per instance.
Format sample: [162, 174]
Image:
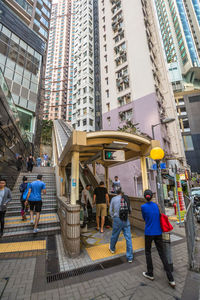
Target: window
[106, 69]
[106, 79]
[107, 93]
[108, 106]
[84, 122]
[188, 143]
[108, 119]
[91, 122]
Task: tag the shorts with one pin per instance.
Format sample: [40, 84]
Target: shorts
[101, 210]
[35, 204]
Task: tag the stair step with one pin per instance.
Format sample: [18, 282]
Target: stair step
[29, 232]
[23, 226]
[46, 201]
[18, 207]
[47, 196]
[18, 212]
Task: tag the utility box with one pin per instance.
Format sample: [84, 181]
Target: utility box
[113, 155]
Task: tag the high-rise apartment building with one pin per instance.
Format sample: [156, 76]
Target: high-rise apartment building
[134, 80]
[35, 14]
[58, 72]
[179, 23]
[83, 117]
[22, 53]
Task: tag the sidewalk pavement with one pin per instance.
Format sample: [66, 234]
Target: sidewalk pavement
[21, 279]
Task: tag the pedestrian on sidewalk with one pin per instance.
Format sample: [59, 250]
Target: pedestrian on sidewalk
[30, 163]
[116, 185]
[101, 199]
[119, 211]
[46, 158]
[24, 189]
[5, 197]
[85, 200]
[153, 232]
[35, 200]
[38, 161]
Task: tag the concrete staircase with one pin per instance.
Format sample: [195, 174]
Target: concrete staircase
[49, 221]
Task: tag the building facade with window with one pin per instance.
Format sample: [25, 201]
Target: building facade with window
[134, 80]
[57, 101]
[179, 23]
[35, 14]
[21, 60]
[83, 92]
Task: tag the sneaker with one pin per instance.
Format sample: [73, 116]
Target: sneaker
[35, 230]
[172, 284]
[31, 222]
[146, 275]
[111, 251]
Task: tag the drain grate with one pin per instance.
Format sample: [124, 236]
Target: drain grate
[72, 273]
[86, 269]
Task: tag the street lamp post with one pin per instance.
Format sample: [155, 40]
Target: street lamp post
[157, 154]
[165, 121]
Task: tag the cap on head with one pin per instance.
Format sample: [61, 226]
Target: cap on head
[148, 194]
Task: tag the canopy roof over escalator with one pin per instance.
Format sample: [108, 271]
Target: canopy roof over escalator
[90, 145]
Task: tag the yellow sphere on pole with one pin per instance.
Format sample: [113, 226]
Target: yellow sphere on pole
[157, 153]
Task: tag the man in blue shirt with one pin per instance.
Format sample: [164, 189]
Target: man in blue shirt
[120, 225]
[35, 201]
[153, 232]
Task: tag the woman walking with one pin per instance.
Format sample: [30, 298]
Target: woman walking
[24, 188]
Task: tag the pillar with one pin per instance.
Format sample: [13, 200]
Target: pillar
[106, 178]
[74, 178]
[144, 173]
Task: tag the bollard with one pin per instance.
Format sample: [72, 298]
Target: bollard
[168, 249]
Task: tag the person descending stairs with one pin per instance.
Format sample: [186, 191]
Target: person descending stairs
[49, 221]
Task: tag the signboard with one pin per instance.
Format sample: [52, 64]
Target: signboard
[180, 200]
[182, 176]
[113, 155]
[162, 166]
[73, 182]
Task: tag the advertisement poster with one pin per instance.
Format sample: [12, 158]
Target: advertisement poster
[180, 199]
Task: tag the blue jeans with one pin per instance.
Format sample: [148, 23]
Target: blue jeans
[118, 226]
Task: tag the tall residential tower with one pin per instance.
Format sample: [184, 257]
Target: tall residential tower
[179, 23]
[134, 83]
[57, 74]
[86, 80]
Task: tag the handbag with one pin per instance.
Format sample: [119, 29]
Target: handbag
[166, 226]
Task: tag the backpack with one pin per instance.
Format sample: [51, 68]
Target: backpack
[124, 210]
[25, 193]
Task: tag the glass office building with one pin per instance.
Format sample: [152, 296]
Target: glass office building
[21, 59]
[13, 138]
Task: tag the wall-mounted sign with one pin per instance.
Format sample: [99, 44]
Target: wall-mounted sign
[73, 182]
[113, 155]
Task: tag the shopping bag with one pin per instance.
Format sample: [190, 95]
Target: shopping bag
[166, 226]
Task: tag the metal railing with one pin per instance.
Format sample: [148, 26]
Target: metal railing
[190, 231]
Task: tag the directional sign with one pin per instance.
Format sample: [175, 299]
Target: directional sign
[163, 166]
[113, 155]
